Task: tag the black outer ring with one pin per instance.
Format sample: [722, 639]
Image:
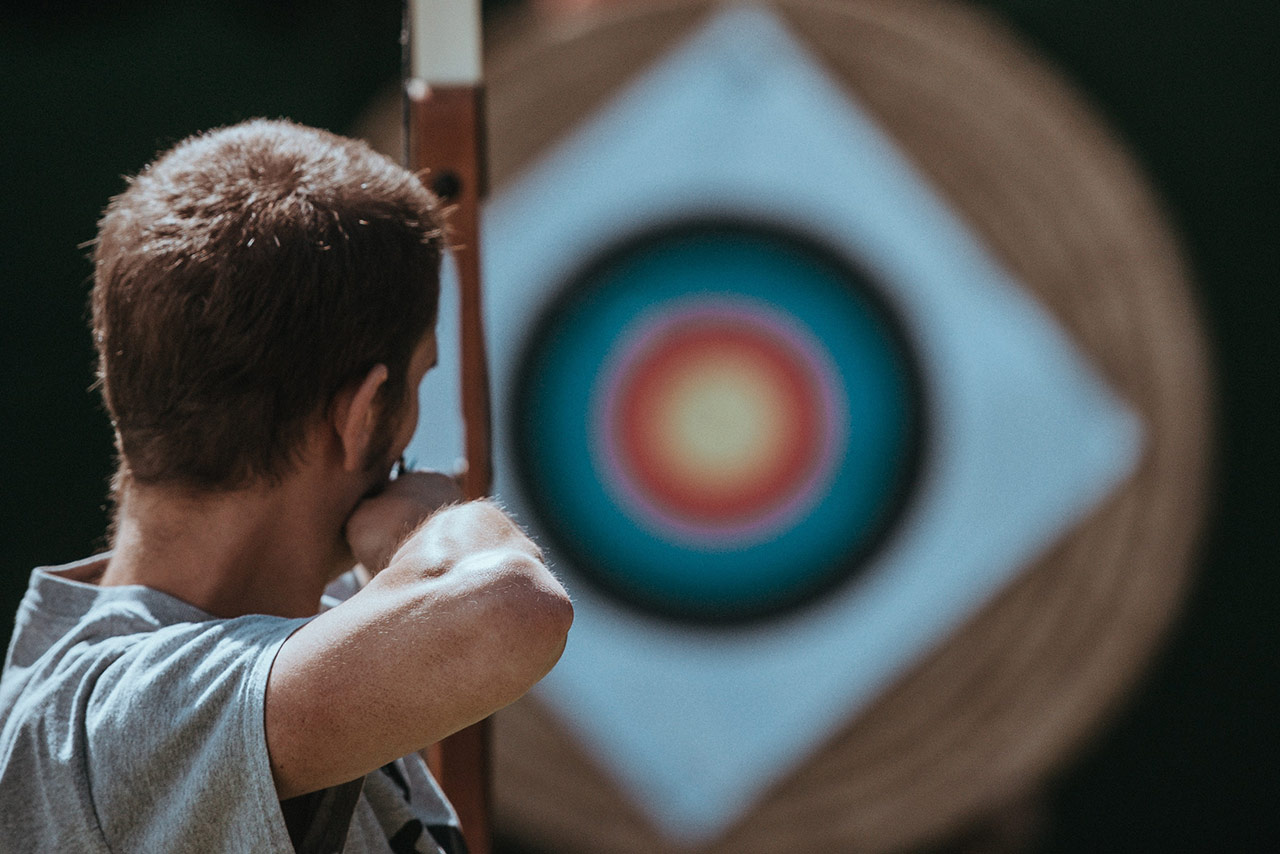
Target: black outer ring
[577, 561]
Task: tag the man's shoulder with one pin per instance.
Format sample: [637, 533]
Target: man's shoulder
[80, 653]
[122, 659]
[130, 704]
[63, 627]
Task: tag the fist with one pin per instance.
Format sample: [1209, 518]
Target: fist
[380, 523]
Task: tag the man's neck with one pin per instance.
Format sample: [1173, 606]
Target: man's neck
[260, 550]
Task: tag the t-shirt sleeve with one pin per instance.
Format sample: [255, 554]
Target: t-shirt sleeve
[176, 742]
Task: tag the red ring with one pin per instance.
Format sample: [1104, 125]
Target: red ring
[644, 400]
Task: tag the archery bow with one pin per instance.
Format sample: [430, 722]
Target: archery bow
[445, 142]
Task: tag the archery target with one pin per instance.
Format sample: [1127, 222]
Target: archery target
[952, 363]
[802, 596]
[716, 421]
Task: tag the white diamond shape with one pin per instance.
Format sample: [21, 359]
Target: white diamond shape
[1023, 437]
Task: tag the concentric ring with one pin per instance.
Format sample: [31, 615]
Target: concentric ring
[719, 421]
[716, 421]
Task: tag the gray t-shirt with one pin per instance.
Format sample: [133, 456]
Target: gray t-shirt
[133, 722]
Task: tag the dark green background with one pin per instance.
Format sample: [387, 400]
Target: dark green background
[91, 93]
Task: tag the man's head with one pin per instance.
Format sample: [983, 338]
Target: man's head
[242, 280]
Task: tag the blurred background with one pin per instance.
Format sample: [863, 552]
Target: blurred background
[91, 93]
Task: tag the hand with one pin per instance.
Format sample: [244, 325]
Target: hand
[381, 522]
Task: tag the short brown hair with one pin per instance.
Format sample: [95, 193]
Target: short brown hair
[242, 280]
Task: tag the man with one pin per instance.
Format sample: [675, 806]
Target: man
[263, 310]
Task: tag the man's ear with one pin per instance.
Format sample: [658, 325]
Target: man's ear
[355, 417]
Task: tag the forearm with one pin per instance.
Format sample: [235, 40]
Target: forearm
[512, 614]
[382, 523]
[465, 619]
[475, 533]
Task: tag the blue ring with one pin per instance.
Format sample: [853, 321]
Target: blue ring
[726, 581]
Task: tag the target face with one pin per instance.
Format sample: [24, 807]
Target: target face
[710, 418]
[716, 421]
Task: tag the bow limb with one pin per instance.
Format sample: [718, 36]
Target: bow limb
[444, 97]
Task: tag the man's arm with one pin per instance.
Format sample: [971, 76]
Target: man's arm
[464, 620]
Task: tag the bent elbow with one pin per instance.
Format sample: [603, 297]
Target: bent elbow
[534, 614]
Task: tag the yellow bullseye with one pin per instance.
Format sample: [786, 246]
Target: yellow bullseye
[719, 422]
